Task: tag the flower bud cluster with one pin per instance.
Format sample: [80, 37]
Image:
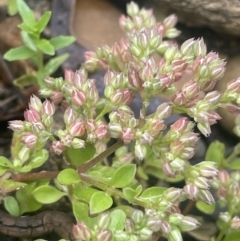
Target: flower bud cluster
[177, 146]
[35, 130]
[227, 189]
[199, 179]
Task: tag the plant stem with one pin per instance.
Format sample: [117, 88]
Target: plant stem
[188, 208]
[222, 232]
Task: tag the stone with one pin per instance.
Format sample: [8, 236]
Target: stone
[221, 15]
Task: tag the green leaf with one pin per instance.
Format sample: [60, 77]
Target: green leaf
[205, 208]
[123, 176]
[233, 236]
[12, 7]
[26, 200]
[99, 202]
[54, 63]
[152, 193]
[4, 162]
[27, 28]
[3, 170]
[82, 155]
[10, 185]
[19, 53]
[28, 41]
[118, 218]
[83, 192]
[61, 41]
[130, 193]
[25, 80]
[39, 158]
[235, 165]
[42, 22]
[216, 153]
[47, 194]
[68, 176]
[81, 213]
[11, 205]
[26, 13]
[45, 46]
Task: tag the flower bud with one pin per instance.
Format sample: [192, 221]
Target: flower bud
[32, 115]
[104, 220]
[29, 140]
[58, 83]
[145, 234]
[77, 128]
[173, 194]
[48, 108]
[17, 126]
[154, 223]
[81, 231]
[70, 115]
[180, 125]
[24, 154]
[140, 151]
[206, 196]
[191, 190]
[129, 226]
[137, 216]
[175, 218]
[175, 235]
[223, 176]
[187, 47]
[225, 216]
[78, 97]
[56, 96]
[165, 227]
[49, 81]
[163, 111]
[35, 103]
[115, 129]
[201, 183]
[132, 9]
[170, 21]
[78, 143]
[57, 147]
[235, 223]
[172, 33]
[188, 224]
[200, 48]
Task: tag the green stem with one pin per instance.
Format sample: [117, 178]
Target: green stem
[222, 232]
[40, 72]
[100, 157]
[109, 189]
[235, 153]
[105, 110]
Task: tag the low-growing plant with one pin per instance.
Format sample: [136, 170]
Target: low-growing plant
[35, 46]
[110, 155]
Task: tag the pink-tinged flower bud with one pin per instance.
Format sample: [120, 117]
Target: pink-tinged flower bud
[77, 128]
[78, 143]
[78, 97]
[168, 170]
[147, 72]
[129, 226]
[79, 79]
[208, 86]
[48, 108]
[81, 231]
[206, 196]
[143, 40]
[179, 98]
[70, 116]
[188, 224]
[191, 191]
[165, 227]
[35, 103]
[190, 89]
[29, 140]
[66, 140]
[134, 79]
[68, 75]
[90, 125]
[171, 53]
[125, 23]
[56, 96]
[187, 47]
[132, 9]
[163, 111]
[17, 126]
[92, 94]
[223, 176]
[180, 125]
[127, 134]
[170, 21]
[204, 128]
[49, 81]
[57, 147]
[213, 97]
[24, 154]
[140, 151]
[115, 130]
[231, 108]
[235, 223]
[108, 77]
[234, 85]
[218, 71]
[122, 96]
[146, 138]
[208, 172]
[155, 39]
[154, 223]
[179, 65]
[102, 131]
[32, 115]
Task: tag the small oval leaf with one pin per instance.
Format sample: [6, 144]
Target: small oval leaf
[99, 202]
[152, 192]
[68, 176]
[47, 194]
[11, 205]
[118, 218]
[205, 208]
